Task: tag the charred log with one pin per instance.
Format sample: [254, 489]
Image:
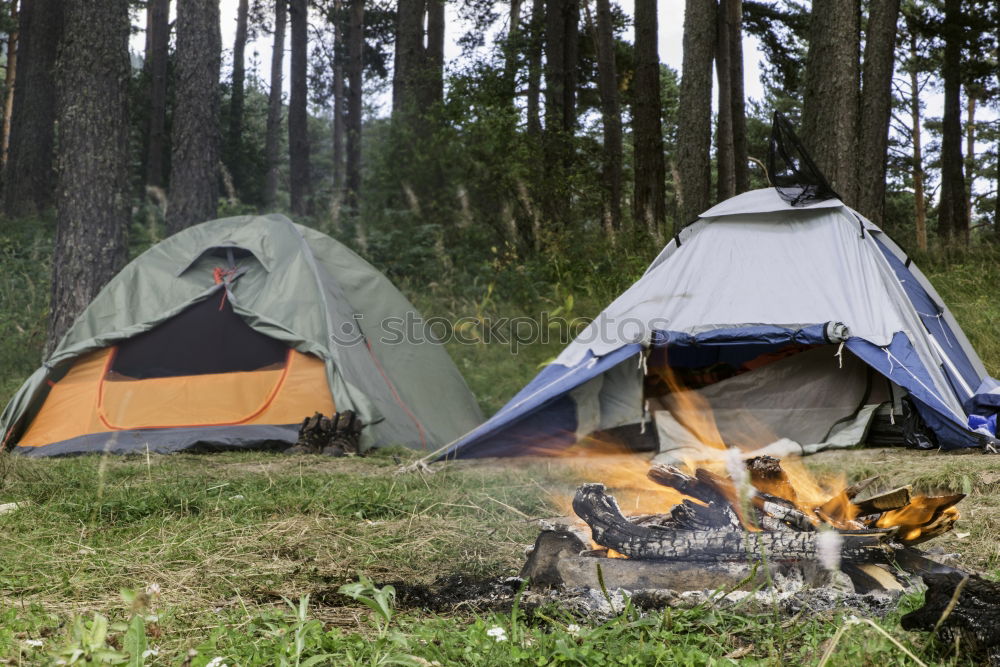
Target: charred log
[767, 475]
[961, 606]
[611, 529]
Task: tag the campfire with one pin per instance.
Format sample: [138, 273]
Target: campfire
[716, 528]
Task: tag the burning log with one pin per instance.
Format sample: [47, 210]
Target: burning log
[963, 606]
[611, 529]
[767, 476]
[883, 502]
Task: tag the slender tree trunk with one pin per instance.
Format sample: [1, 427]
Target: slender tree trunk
[9, 78]
[647, 129]
[953, 220]
[571, 47]
[970, 152]
[555, 65]
[737, 99]
[694, 116]
[724, 148]
[237, 99]
[610, 116]
[511, 47]
[29, 177]
[920, 213]
[355, 74]
[195, 138]
[298, 117]
[876, 108]
[533, 103]
[339, 112]
[93, 195]
[434, 54]
[409, 56]
[830, 102]
[272, 139]
[158, 31]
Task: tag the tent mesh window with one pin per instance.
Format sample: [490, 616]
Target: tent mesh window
[207, 337]
[793, 173]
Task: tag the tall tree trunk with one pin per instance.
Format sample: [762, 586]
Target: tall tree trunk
[339, 111]
[953, 220]
[355, 73]
[876, 108]
[9, 77]
[433, 75]
[737, 99]
[158, 31]
[237, 99]
[195, 137]
[830, 102]
[272, 139]
[970, 152]
[725, 151]
[298, 117]
[571, 56]
[694, 115]
[510, 48]
[29, 177]
[409, 56]
[93, 195]
[920, 203]
[555, 65]
[647, 129]
[610, 116]
[537, 38]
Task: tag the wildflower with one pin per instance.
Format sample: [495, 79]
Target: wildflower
[828, 544]
[216, 662]
[33, 642]
[498, 633]
[573, 629]
[153, 589]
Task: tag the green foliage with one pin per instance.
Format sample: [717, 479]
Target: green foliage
[379, 599]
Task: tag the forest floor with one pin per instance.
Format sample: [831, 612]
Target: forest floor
[195, 557]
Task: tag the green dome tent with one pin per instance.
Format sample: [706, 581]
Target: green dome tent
[225, 336]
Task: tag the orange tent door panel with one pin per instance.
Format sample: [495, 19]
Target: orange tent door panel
[89, 399]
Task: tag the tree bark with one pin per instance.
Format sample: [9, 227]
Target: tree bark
[920, 203]
[433, 75]
[953, 220]
[731, 142]
[694, 115]
[647, 128]
[237, 99]
[561, 32]
[737, 99]
[339, 92]
[409, 56]
[158, 31]
[355, 76]
[298, 117]
[876, 108]
[511, 46]
[610, 116]
[830, 102]
[93, 198]
[272, 138]
[195, 136]
[535, 45]
[29, 176]
[724, 148]
[9, 77]
[970, 151]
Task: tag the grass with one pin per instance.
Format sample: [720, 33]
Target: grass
[229, 546]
